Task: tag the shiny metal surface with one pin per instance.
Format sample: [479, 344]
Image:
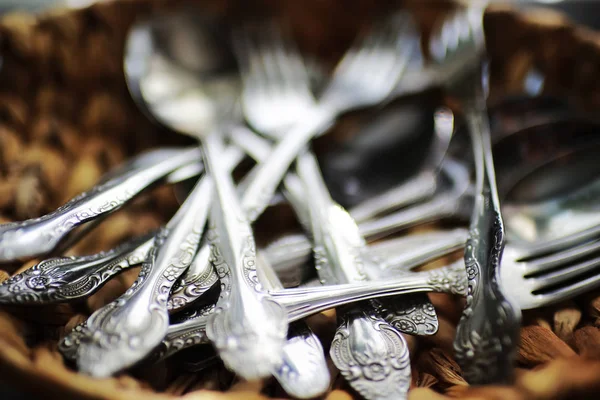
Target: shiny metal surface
[488, 331]
[126, 330]
[34, 237]
[289, 96]
[247, 328]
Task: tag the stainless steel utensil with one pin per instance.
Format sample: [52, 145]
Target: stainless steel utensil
[34, 237]
[488, 332]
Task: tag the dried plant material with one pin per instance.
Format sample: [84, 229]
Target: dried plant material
[440, 364]
[47, 130]
[74, 321]
[11, 148]
[444, 338]
[208, 380]
[587, 342]
[539, 345]
[84, 174]
[104, 112]
[411, 342]
[180, 384]
[109, 292]
[593, 308]
[545, 18]
[3, 276]
[566, 318]
[11, 333]
[572, 378]
[206, 395]
[338, 395]
[27, 265]
[446, 306]
[247, 386]
[29, 197]
[8, 192]
[14, 111]
[323, 325]
[114, 230]
[426, 380]
[490, 393]
[53, 315]
[126, 278]
[543, 322]
[145, 222]
[52, 165]
[425, 394]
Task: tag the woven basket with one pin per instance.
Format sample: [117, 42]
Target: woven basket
[66, 118]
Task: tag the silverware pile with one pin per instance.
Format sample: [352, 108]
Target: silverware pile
[248, 94]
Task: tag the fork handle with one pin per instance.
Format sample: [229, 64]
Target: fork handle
[488, 331]
[271, 171]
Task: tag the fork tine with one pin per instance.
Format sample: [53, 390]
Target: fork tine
[563, 293]
[570, 271]
[560, 258]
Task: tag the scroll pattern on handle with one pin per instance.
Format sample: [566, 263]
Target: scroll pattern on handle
[381, 372]
[119, 340]
[64, 279]
[488, 331]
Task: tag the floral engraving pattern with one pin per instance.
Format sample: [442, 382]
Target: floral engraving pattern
[379, 368]
[451, 280]
[126, 329]
[51, 228]
[65, 279]
[411, 314]
[488, 331]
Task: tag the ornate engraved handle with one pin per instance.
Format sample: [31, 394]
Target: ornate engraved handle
[34, 237]
[298, 302]
[302, 302]
[488, 331]
[64, 279]
[247, 329]
[377, 369]
[126, 330]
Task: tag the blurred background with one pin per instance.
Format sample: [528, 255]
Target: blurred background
[582, 11]
[585, 12]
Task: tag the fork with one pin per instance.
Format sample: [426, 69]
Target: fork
[275, 78]
[347, 78]
[488, 331]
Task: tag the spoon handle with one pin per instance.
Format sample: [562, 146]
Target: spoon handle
[135, 323]
[303, 302]
[488, 331]
[34, 237]
[66, 279]
[247, 329]
[341, 256]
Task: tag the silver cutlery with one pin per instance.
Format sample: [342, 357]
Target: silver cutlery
[363, 338]
[247, 328]
[381, 49]
[34, 237]
[64, 279]
[488, 332]
[125, 330]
